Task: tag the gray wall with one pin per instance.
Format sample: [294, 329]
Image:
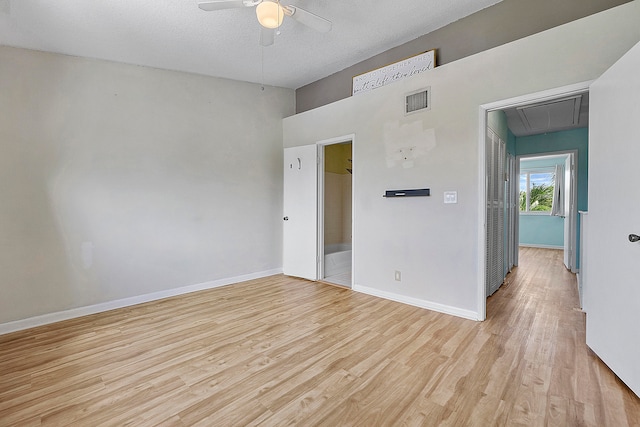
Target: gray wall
[118, 181]
[504, 22]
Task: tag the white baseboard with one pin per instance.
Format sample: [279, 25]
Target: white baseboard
[45, 319]
[434, 306]
[531, 245]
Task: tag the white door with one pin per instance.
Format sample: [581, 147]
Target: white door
[300, 244]
[570, 213]
[612, 294]
[511, 198]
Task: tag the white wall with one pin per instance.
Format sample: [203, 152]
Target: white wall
[434, 245]
[118, 181]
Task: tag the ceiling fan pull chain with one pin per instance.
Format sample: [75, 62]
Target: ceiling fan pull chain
[262, 68]
[280, 18]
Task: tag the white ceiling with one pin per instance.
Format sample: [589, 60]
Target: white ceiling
[177, 35]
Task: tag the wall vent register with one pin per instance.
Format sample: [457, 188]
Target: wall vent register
[418, 101]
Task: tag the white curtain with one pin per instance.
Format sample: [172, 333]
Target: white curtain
[558, 208]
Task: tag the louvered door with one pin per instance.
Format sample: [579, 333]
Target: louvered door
[495, 157]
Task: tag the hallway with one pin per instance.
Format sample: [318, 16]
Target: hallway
[537, 316]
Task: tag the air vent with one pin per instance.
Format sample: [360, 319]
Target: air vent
[418, 101]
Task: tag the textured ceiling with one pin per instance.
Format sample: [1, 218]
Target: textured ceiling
[177, 35]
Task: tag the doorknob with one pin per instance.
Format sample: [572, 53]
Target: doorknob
[633, 238]
[286, 218]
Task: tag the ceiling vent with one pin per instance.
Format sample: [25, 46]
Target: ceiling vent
[418, 101]
[559, 113]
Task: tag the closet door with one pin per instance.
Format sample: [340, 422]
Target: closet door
[495, 264]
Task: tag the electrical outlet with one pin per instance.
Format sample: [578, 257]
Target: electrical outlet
[398, 277]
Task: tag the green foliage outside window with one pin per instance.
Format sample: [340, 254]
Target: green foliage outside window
[536, 190]
[540, 198]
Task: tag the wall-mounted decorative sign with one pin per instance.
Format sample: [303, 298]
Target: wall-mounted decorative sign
[393, 72]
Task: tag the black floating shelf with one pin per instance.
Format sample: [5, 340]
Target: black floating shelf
[407, 193]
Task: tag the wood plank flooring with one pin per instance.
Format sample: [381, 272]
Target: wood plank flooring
[283, 351]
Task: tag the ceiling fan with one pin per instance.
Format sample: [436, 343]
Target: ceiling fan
[270, 15]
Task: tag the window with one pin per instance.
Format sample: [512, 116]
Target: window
[536, 190]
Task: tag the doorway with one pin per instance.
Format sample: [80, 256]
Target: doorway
[547, 203]
[548, 114]
[336, 213]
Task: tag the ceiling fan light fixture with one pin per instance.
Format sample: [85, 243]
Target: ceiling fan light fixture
[270, 14]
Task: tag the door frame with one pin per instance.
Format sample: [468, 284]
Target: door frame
[573, 211]
[545, 95]
[343, 139]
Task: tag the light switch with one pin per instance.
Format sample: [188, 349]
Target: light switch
[451, 197]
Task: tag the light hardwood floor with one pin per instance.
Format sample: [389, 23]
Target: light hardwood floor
[283, 351]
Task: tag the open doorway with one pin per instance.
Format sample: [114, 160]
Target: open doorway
[547, 203]
[336, 214]
[550, 123]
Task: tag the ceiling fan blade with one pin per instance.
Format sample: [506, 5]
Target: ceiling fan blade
[267, 36]
[210, 5]
[307, 18]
